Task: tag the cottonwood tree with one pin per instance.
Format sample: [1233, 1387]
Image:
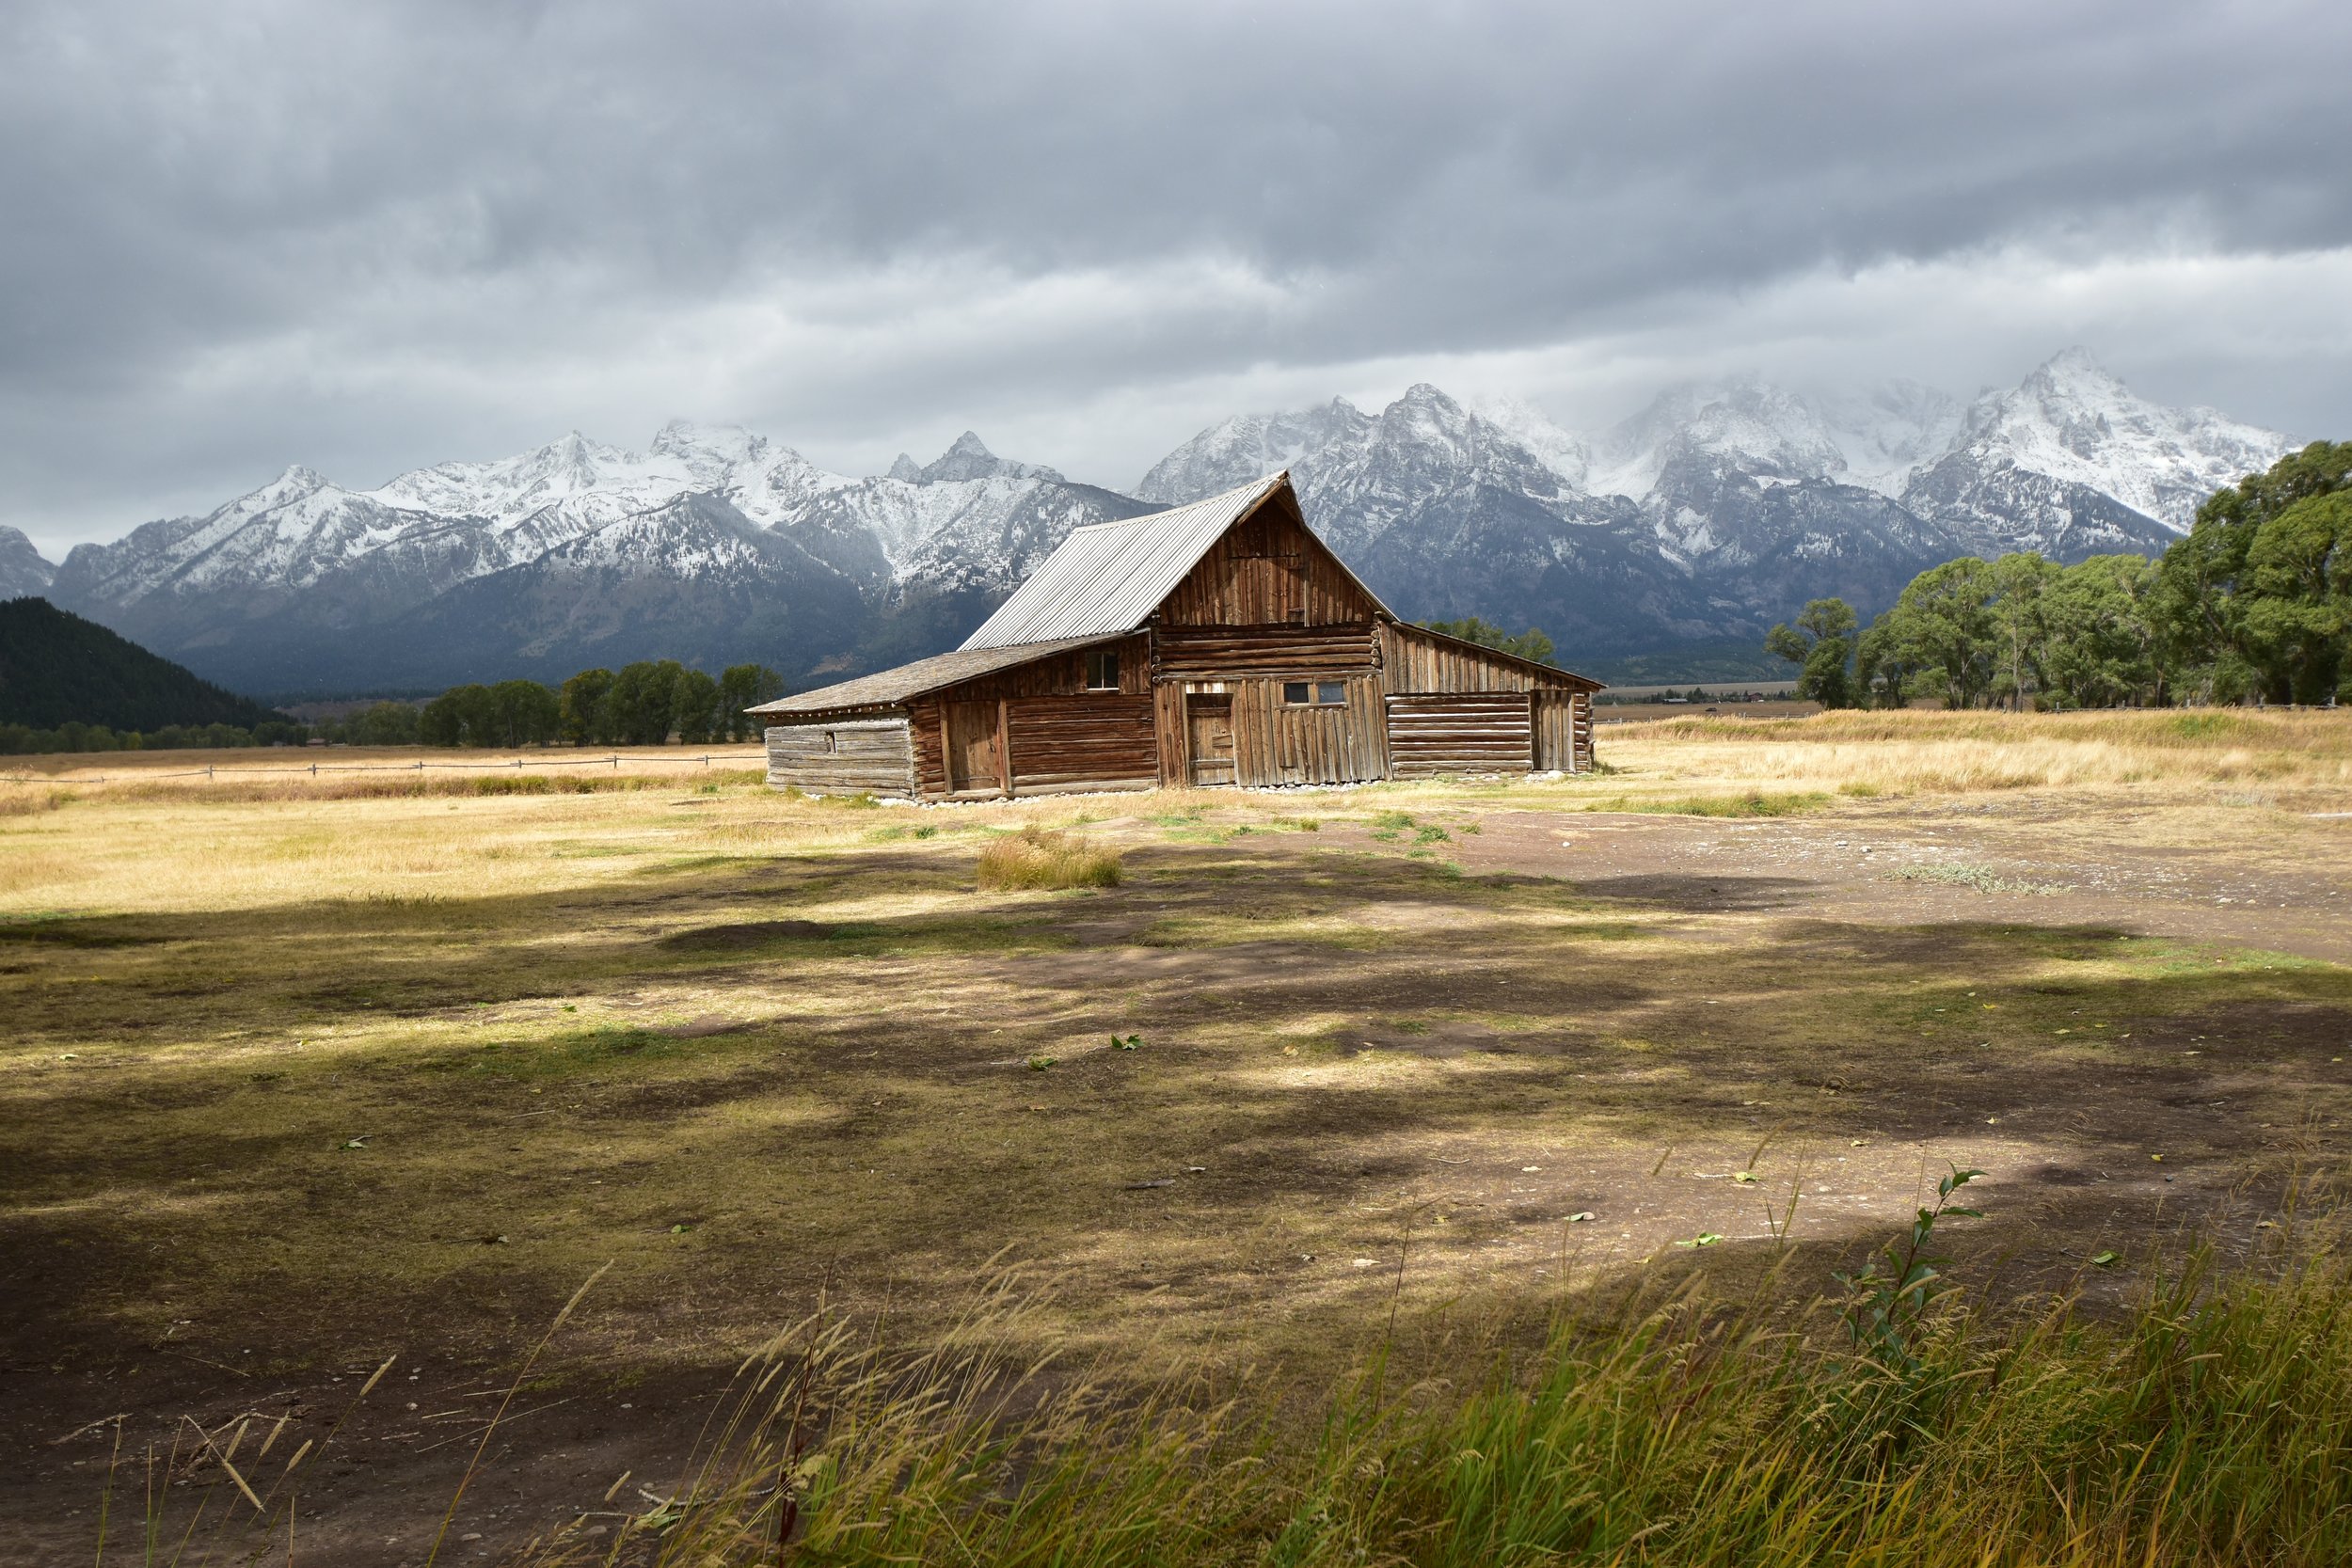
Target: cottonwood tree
[1822, 645]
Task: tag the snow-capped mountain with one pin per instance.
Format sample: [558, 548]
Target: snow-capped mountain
[2071, 463]
[1707, 515]
[22, 568]
[568, 555]
[1733, 501]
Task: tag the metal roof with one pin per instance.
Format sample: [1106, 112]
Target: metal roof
[1110, 577]
[889, 687]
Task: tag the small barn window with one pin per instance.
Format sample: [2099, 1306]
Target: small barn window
[1314, 694]
[832, 742]
[1103, 671]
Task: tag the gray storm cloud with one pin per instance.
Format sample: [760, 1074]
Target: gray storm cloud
[371, 237]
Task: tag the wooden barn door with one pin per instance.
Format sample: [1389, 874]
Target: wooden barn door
[1208, 725]
[974, 747]
[1555, 731]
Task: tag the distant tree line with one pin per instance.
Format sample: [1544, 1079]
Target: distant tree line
[646, 704]
[1530, 644]
[2252, 605]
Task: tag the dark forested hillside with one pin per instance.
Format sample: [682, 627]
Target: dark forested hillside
[56, 668]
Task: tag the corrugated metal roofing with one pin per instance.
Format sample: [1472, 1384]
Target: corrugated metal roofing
[1110, 577]
[888, 686]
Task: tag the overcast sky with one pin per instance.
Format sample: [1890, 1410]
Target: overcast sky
[370, 237]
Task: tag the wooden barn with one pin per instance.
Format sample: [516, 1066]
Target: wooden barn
[1217, 644]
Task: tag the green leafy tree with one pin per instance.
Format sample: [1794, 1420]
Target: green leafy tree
[1531, 643]
[586, 713]
[2017, 583]
[1942, 634]
[644, 701]
[384, 724]
[1822, 645]
[524, 713]
[742, 686]
[694, 699]
[2241, 625]
[2101, 643]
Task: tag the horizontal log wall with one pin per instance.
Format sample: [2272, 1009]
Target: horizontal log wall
[1461, 732]
[1100, 741]
[1583, 722]
[1215, 653]
[1275, 743]
[870, 756]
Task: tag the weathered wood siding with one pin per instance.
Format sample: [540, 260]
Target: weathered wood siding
[1275, 743]
[1417, 662]
[1268, 570]
[1214, 653]
[1547, 723]
[843, 756]
[1098, 740]
[1555, 731]
[1459, 732]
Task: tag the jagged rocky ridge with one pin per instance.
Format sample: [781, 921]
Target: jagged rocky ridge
[1719, 509]
[1703, 519]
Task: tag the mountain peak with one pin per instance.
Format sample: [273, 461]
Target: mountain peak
[906, 470]
[297, 480]
[968, 457]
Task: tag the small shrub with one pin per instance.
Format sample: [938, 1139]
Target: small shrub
[1040, 858]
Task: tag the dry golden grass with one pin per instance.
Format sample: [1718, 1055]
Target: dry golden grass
[1915, 752]
[1041, 858]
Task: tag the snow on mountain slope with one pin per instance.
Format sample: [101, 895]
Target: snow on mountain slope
[1887, 432]
[1770, 432]
[1251, 446]
[22, 568]
[2074, 421]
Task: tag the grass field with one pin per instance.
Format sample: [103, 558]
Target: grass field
[305, 1074]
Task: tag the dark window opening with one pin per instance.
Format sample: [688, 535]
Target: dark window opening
[1314, 694]
[1103, 671]
[1296, 617]
[831, 743]
[1330, 694]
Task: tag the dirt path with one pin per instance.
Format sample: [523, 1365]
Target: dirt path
[2029, 860]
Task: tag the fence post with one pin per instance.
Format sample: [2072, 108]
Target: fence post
[314, 769]
[208, 769]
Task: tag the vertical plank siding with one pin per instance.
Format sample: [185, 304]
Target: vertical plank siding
[1269, 570]
[847, 756]
[1275, 743]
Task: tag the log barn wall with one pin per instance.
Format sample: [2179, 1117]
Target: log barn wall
[1057, 735]
[842, 757]
[1459, 732]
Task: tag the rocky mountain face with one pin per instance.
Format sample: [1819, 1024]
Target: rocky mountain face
[22, 570]
[1719, 509]
[711, 545]
[1703, 519]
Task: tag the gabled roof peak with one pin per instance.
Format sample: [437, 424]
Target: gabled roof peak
[1110, 577]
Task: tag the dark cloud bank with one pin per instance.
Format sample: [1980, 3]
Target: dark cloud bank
[373, 237]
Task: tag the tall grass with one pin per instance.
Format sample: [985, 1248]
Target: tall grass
[2209, 1424]
[1036, 858]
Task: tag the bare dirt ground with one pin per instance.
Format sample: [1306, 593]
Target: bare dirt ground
[1464, 1048]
